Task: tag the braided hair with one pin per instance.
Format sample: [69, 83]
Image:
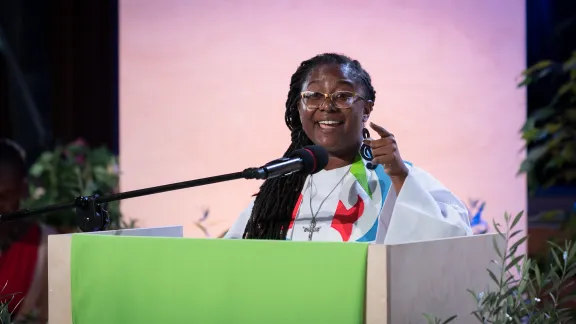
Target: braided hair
[276, 200]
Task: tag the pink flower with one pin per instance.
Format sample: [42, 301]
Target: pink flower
[79, 142]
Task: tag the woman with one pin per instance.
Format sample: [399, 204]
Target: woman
[366, 193]
[23, 244]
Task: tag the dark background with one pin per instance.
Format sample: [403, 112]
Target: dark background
[67, 51]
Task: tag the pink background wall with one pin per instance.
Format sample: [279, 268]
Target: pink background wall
[203, 85]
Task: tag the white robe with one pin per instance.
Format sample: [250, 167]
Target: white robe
[424, 209]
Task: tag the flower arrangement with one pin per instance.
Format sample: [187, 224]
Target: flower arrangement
[69, 171]
[531, 295]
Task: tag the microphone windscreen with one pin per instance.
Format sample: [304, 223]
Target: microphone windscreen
[314, 158]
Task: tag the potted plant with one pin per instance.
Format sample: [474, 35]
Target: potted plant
[68, 171]
[5, 315]
[532, 295]
[550, 135]
[550, 131]
[5, 300]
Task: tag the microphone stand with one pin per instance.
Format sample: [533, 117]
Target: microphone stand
[91, 212]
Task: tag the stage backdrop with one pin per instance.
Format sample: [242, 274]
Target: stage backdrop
[203, 86]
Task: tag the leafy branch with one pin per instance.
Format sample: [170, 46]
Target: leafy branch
[550, 131]
[527, 295]
[5, 301]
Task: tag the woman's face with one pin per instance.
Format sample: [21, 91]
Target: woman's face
[338, 130]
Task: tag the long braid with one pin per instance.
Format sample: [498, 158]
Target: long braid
[276, 200]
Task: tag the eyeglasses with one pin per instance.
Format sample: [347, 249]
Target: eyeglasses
[340, 99]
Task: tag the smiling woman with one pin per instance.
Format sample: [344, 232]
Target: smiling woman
[366, 193]
[333, 113]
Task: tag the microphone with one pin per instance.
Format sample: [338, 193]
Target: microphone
[307, 160]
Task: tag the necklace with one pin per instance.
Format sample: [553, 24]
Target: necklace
[313, 228]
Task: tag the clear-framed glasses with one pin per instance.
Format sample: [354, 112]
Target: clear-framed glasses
[340, 99]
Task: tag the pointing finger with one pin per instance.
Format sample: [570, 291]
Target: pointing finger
[380, 130]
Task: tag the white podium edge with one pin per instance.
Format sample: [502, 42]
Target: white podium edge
[405, 281]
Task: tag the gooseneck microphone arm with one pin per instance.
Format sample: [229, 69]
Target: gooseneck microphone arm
[92, 215]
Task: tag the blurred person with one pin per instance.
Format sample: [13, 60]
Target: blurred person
[367, 192]
[23, 244]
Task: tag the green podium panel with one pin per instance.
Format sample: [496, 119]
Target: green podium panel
[144, 280]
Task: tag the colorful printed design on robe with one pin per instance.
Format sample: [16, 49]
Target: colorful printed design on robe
[376, 185]
[345, 218]
[475, 209]
[361, 201]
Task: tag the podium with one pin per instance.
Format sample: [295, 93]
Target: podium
[156, 276]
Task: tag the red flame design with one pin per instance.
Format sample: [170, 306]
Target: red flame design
[344, 218]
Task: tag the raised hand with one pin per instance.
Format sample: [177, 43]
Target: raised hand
[385, 152]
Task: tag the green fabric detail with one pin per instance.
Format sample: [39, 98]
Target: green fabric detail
[359, 172]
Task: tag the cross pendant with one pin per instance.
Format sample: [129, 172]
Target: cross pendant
[311, 229]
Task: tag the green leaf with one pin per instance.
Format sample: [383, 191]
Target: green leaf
[522, 286]
[493, 277]
[449, 319]
[496, 226]
[516, 219]
[541, 114]
[429, 318]
[496, 248]
[511, 290]
[517, 244]
[478, 316]
[507, 218]
[552, 128]
[551, 215]
[514, 262]
[537, 275]
[538, 67]
[532, 134]
[515, 233]
[36, 170]
[536, 153]
[554, 246]
[553, 298]
[557, 260]
[525, 81]
[571, 248]
[526, 167]
[570, 64]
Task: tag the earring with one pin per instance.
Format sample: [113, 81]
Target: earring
[366, 151]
